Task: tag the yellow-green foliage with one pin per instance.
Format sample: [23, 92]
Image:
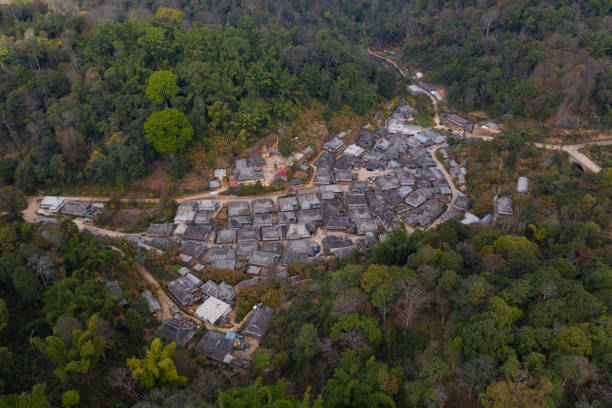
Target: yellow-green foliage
[157, 367]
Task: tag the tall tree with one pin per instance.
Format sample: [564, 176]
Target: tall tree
[157, 367]
[161, 87]
[168, 130]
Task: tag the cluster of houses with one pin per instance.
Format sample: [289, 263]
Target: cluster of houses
[60, 205]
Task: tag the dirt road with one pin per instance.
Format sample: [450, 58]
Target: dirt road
[449, 180]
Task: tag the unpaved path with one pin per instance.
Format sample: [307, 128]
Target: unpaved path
[449, 180]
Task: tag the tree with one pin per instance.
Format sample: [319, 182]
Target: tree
[161, 87]
[386, 83]
[168, 130]
[80, 356]
[572, 340]
[373, 277]
[35, 399]
[4, 315]
[286, 146]
[135, 324]
[70, 399]
[157, 367]
[412, 297]
[258, 395]
[507, 394]
[306, 344]
[383, 297]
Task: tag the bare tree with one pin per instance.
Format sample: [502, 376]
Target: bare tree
[351, 301]
[547, 290]
[327, 348]
[354, 339]
[413, 297]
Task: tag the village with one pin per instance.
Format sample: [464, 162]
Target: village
[358, 194]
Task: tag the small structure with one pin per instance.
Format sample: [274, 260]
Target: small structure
[459, 121]
[522, 186]
[240, 221]
[334, 208]
[359, 212]
[331, 192]
[356, 200]
[217, 346]
[323, 176]
[217, 254]
[222, 291]
[178, 330]
[365, 225]
[334, 223]
[220, 173]
[248, 234]
[297, 231]
[214, 184]
[310, 217]
[359, 186]
[263, 220]
[259, 322]
[53, 204]
[244, 249]
[208, 205]
[333, 245]
[212, 310]
[353, 151]
[343, 176]
[162, 243]
[505, 206]
[153, 303]
[300, 246]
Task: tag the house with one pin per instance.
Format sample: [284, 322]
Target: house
[522, 186]
[326, 160]
[459, 121]
[331, 192]
[393, 197]
[333, 145]
[197, 232]
[254, 270]
[405, 177]
[263, 259]
[387, 182]
[263, 206]
[322, 176]
[312, 217]
[162, 243]
[240, 221]
[223, 253]
[248, 234]
[333, 245]
[203, 217]
[220, 173]
[416, 90]
[287, 217]
[153, 303]
[382, 144]
[214, 184]
[334, 223]
[308, 152]
[246, 175]
[184, 215]
[185, 290]
[288, 204]
[388, 220]
[273, 233]
[226, 236]
[160, 230]
[343, 164]
[359, 186]
[415, 199]
[259, 322]
[217, 346]
[52, 204]
[366, 140]
[263, 220]
[208, 205]
[256, 161]
[222, 291]
[334, 208]
[365, 225]
[224, 264]
[353, 150]
[244, 249]
[358, 212]
[343, 176]
[195, 251]
[291, 257]
[300, 246]
[76, 208]
[249, 282]
[356, 200]
[212, 310]
[274, 247]
[178, 330]
[309, 201]
[404, 191]
[505, 206]
[238, 208]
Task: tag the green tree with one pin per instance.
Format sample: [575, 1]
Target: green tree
[306, 344]
[36, 399]
[135, 324]
[4, 315]
[374, 276]
[258, 395]
[572, 340]
[70, 399]
[286, 146]
[168, 130]
[161, 87]
[157, 367]
[82, 355]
